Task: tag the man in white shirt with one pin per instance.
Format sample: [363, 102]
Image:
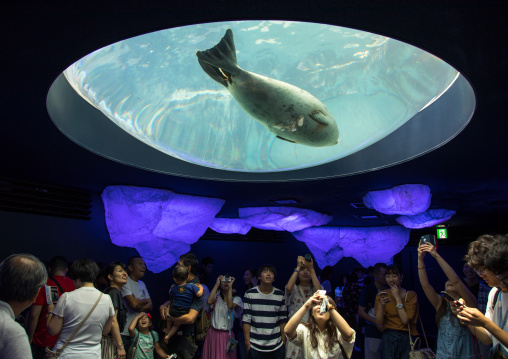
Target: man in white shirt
[21, 277]
[135, 295]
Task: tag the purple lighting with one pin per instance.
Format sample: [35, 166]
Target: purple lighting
[282, 218]
[408, 199]
[160, 224]
[426, 219]
[230, 225]
[368, 245]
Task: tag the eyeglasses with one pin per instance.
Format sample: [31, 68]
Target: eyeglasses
[480, 271]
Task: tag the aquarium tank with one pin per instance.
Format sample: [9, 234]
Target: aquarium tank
[153, 88]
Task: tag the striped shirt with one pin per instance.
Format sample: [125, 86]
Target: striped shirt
[265, 313]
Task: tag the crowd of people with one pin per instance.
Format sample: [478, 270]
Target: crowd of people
[67, 316]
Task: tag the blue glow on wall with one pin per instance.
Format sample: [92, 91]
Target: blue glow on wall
[282, 218]
[368, 245]
[408, 199]
[159, 223]
[426, 219]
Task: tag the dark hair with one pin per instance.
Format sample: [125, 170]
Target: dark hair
[110, 269]
[180, 273]
[254, 274]
[326, 273]
[21, 277]
[85, 270]
[57, 263]
[393, 269]
[130, 261]
[478, 249]
[189, 259]
[497, 258]
[268, 267]
[378, 267]
[329, 329]
[206, 261]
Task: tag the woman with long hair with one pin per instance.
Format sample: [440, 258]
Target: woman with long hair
[116, 275]
[224, 307]
[326, 335]
[454, 341]
[396, 313]
[302, 285]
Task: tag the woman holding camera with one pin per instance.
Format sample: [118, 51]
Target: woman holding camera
[223, 308]
[396, 313]
[453, 339]
[301, 286]
[326, 335]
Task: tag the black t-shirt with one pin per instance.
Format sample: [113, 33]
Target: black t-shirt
[116, 298]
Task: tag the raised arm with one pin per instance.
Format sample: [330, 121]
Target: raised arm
[229, 294]
[341, 324]
[313, 276]
[292, 324]
[380, 310]
[199, 294]
[294, 276]
[464, 292]
[133, 324]
[213, 292]
[432, 296]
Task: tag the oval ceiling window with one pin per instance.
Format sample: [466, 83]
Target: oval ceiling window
[262, 97]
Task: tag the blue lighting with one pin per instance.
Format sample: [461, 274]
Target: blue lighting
[408, 199]
[426, 219]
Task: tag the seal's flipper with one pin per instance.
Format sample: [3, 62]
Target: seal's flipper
[284, 139]
[320, 117]
[219, 62]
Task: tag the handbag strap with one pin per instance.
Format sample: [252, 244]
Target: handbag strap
[57, 284]
[413, 344]
[59, 350]
[230, 321]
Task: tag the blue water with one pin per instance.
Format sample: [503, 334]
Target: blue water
[153, 87]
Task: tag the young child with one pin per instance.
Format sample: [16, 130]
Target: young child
[181, 296]
[144, 339]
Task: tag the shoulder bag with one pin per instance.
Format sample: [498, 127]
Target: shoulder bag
[55, 354]
[417, 352]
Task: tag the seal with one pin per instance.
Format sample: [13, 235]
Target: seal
[287, 111]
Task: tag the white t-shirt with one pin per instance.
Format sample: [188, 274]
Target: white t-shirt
[74, 307]
[498, 311]
[303, 340]
[220, 313]
[139, 291]
[298, 296]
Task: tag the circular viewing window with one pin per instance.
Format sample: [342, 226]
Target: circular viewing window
[303, 95]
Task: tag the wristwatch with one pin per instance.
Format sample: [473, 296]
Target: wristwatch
[400, 306]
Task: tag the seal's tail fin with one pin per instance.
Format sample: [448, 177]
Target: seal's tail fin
[219, 62]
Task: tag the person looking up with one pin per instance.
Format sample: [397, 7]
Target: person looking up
[73, 308]
[36, 323]
[372, 344]
[21, 278]
[186, 322]
[264, 317]
[116, 275]
[222, 306]
[453, 340]
[145, 340]
[302, 285]
[326, 335]
[181, 296]
[396, 315]
[135, 295]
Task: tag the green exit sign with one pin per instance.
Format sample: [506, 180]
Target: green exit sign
[442, 233]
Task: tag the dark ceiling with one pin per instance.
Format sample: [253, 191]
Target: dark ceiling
[468, 174]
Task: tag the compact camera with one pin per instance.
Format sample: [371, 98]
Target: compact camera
[231, 345]
[226, 278]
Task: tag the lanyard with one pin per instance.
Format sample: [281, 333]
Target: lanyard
[502, 322]
[230, 319]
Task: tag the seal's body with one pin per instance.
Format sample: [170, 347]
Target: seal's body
[289, 112]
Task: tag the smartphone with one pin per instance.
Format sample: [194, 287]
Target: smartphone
[429, 238]
[51, 294]
[448, 296]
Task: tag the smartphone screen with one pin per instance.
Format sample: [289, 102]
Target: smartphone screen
[448, 296]
[54, 294]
